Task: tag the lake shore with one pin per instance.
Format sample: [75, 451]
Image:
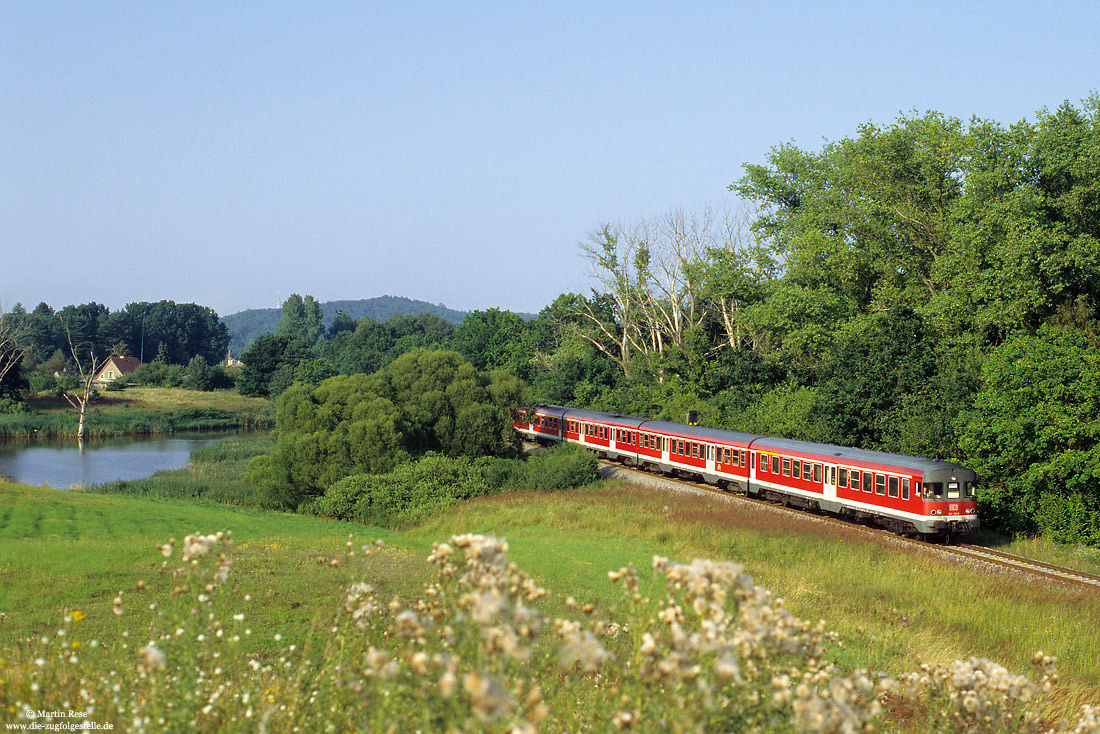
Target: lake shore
[138, 411]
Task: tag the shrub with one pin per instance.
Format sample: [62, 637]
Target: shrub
[411, 492]
[562, 467]
[117, 385]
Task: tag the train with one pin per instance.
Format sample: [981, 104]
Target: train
[908, 495]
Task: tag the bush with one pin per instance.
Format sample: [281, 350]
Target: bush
[562, 467]
[117, 385]
[412, 492]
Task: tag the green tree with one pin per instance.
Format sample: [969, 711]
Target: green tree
[1034, 435]
[424, 401]
[264, 359]
[492, 339]
[302, 319]
[882, 389]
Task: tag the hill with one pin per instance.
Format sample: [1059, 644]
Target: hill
[246, 326]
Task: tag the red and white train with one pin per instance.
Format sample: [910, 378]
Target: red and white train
[906, 494]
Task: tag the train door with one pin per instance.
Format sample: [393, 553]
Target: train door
[830, 482]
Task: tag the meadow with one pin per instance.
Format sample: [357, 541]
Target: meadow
[292, 590]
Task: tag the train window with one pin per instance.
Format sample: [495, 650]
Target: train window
[744, 458]
[905, 488]
[868, 482]
[695, 451]
[880, 484]
[796, 469]
[817, 472]
[843, 481]
[916, 488]
[726, 456]
[775, 465]
[970, 489]
[893, 487]
[786, 467]
[952, 490]
[763, 463]
[855, 481]
[935, 489]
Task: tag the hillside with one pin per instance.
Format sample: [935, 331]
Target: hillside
[246, 326]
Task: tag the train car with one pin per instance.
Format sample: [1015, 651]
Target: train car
[907, 494]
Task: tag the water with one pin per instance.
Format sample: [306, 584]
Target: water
[61, 464]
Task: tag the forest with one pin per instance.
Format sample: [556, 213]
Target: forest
[925, 287]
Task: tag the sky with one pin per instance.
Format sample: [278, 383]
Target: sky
[231, 154]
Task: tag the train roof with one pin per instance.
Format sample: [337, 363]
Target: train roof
[700, 432]
[840, 454]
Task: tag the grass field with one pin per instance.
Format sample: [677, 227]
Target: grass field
[892, 607]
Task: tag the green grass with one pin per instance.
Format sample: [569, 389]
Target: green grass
[62, 551]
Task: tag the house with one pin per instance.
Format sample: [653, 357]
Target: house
[116, 367]
[231, 361]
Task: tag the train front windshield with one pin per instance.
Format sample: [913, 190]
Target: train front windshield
[950, 490]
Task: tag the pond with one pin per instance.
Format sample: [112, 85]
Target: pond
[62, 464]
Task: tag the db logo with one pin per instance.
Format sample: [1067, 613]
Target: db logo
[953, 508]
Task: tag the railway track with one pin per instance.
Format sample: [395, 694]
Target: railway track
[963, 553]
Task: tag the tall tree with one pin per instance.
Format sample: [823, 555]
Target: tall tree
[302, 319]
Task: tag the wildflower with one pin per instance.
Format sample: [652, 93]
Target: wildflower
[116, 605]
[584, 649]
[487, 696]
[152, 658]
[76, 615]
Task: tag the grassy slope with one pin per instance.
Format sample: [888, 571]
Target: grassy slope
[892, 606]
[62, 551]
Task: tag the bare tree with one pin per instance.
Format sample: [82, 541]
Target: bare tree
[619, 260]
[82, 394]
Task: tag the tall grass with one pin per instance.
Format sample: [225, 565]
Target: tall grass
[215, 472]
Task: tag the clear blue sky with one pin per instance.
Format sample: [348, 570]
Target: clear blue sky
[231, 154]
